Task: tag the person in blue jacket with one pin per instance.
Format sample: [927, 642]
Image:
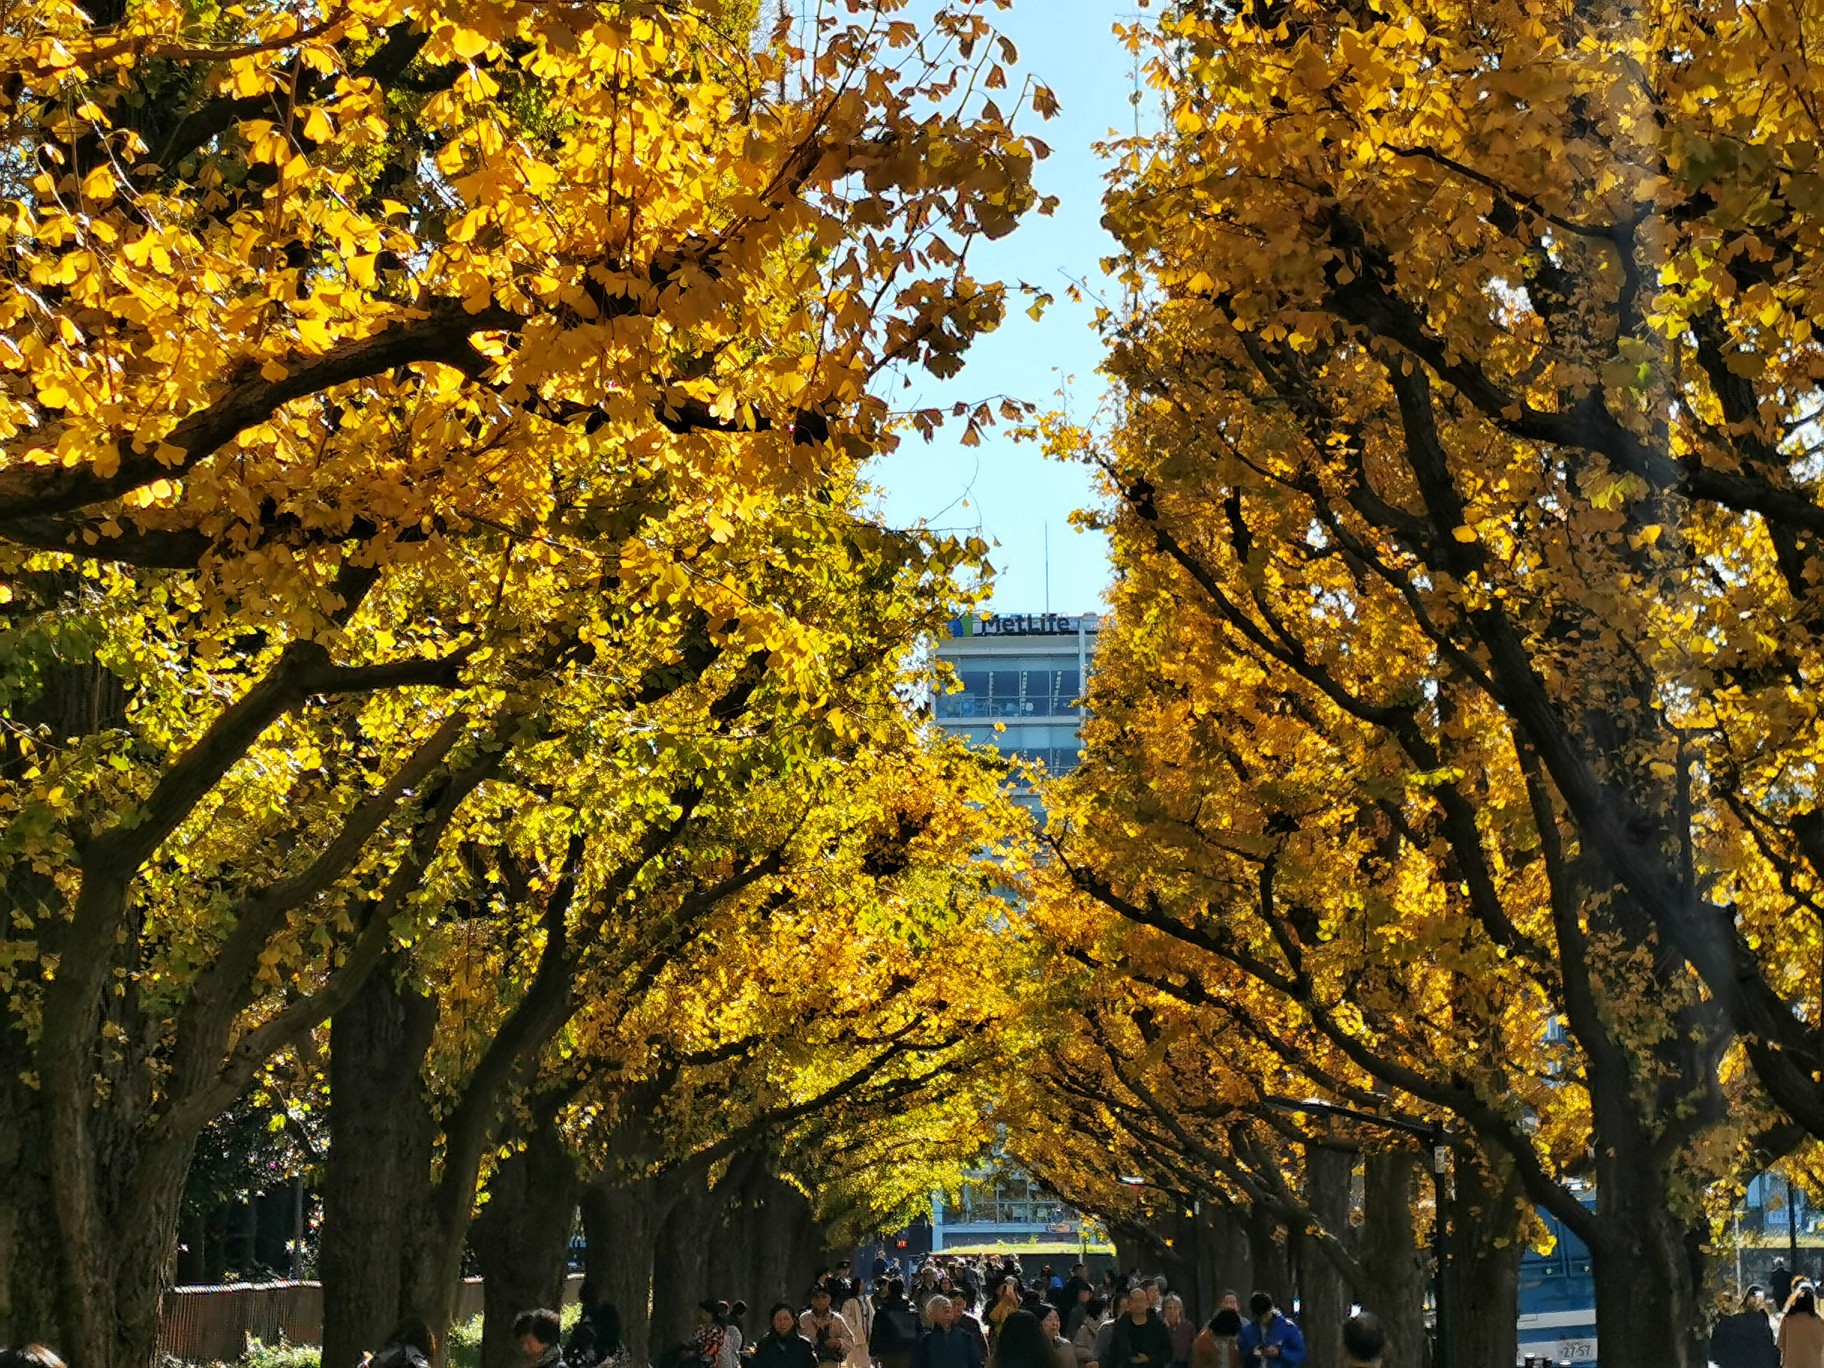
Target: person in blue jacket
[1269, 1340]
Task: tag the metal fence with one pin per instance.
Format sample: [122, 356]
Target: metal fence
[213, 1324]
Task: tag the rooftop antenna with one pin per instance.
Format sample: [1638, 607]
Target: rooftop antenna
[1047, 527]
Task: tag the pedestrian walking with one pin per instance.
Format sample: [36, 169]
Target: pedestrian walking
[962, 1307]
[1020, 1343]
[1140, 1339]
[1105, 1333]
[949, 1344]
[782, 1346]
[1218, 1345]
[1007, 1300]
[1063, 1353]
[858, 1311]
[1269, 1340]
[896, 1328]
[1178, 1329]
[1780, 1282]
[1745, 1339]
[1363, 1341]
[831, 1338]
[1801, 1337]
[1089, 1324]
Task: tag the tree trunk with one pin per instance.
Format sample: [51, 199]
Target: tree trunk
[620, 1228]
[1227, 1265]
[88, 1200]
[733, 1268]
[1133, 1247]
[521, 1239]
[1267, 1257]
[378, 1164]
[1323, 1292]
[1393, 1267]
[680, 1263]
[801, 1245]
[1177, 1254]
[1484, 1251]
[30, 1280]
[1649, 1270]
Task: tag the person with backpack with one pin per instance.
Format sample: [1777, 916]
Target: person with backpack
[896, 1328]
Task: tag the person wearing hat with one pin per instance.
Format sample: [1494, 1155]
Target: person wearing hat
[1745, 1339]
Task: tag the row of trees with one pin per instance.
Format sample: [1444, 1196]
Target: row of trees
[451, 683]
[1454, 751]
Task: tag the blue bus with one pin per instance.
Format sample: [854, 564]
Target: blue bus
[1558, 1300]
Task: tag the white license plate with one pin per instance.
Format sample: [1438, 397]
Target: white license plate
[1577, 1351]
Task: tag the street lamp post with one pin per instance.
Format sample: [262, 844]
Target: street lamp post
[1438, 1154]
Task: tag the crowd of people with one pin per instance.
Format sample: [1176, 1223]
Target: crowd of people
[1771, 1331]
[951, 1313]
[977, 1313]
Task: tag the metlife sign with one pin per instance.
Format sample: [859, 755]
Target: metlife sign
[1023, 624]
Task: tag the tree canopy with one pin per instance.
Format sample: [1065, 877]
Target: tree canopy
[430, 524]
[453, 675]
[1465, 507]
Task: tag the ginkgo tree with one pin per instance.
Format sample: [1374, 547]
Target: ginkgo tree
[372, 377]
[610, 875]
[837, 1009]
[1466, 455]
[1191, 1071]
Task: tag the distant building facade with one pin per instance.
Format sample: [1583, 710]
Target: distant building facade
[1028, 673]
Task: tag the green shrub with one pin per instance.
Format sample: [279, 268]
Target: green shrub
[281, 1355]
[464, 1343]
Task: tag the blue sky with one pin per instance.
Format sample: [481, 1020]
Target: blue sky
[1008, 491]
